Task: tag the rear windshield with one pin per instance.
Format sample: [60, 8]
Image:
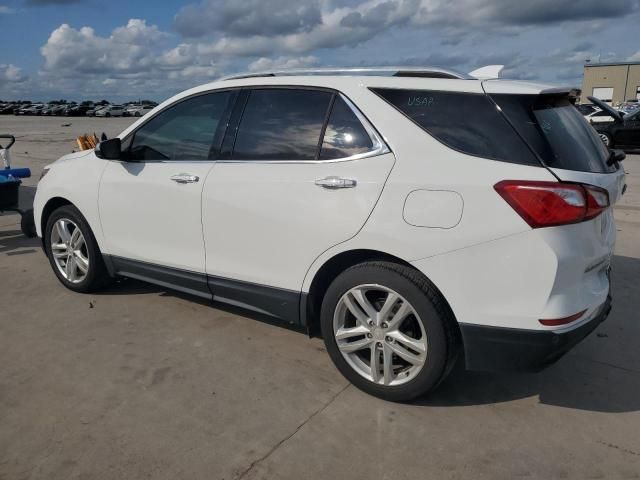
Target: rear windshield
[468, 122]
[556, 131]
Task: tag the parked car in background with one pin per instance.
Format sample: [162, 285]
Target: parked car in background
[77, 110]
[53, 109]
[630, 106]
[622, 132]
[47, 109]
[110, 111]
[599, 116]
[60, 109]
[138, 110]
[378, 209]
[33, 109]
[9, 108]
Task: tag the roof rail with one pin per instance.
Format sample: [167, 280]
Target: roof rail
[426, 72]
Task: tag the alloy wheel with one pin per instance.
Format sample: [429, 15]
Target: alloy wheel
[605, 138]
[380, 334]
[69, 250]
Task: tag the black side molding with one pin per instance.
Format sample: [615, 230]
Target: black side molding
[279, 303]
[192, 283]
[276, 302]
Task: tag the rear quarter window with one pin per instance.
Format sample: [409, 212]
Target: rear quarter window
[467, 122]
[556, 131]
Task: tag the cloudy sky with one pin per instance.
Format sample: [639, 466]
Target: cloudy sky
[126, 49]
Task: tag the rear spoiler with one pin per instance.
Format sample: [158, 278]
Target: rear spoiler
[617, 116]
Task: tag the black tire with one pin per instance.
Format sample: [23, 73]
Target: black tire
[97, 275]
[137, 114]
[27, 224]
[435, 316]
[107, 114]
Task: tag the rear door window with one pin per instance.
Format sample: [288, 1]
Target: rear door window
[282, 124]
[467, 122]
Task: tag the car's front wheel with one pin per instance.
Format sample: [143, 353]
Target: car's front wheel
[388, 330]
[73, 251]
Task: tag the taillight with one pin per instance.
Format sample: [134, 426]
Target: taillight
[597, 201]
[555, 322]
[547, 204]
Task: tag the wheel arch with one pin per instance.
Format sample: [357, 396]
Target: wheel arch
[51, 206]
[331, 268]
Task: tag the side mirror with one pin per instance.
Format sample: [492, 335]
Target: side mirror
[109, 149]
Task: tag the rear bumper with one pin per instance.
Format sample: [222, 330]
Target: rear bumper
[506, 349]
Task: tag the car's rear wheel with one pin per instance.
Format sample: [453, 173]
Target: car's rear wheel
[388, 330]
[73, 251]
[606, 139]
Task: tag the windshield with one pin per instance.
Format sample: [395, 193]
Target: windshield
[556, 131]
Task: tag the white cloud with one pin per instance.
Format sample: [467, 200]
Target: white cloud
[265, 63]
[336, 24]
[635, 57]
[4, 10]
[216, 37]
[128, 49]
[135, 57]
[9, 73]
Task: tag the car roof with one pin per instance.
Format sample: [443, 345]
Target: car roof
[352, 79]
[372, 81]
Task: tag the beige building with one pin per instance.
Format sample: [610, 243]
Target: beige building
[613, 83]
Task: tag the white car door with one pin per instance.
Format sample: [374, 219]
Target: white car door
[150, 203]
[283, 196]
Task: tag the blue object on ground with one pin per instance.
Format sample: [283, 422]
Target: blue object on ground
[16, 172]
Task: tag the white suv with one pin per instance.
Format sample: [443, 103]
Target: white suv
[408, 218]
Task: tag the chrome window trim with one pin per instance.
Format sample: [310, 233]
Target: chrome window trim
[358, 156]
[379, 146]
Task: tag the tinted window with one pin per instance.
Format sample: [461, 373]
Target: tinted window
[344, 136]
[182, 132]
[281, 124]
[556, 131]
[467, 122]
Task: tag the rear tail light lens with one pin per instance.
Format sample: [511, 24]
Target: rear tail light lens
[555, 322]
[547, 204]
[597, 201]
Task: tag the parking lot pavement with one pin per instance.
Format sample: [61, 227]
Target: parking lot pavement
[138, 382]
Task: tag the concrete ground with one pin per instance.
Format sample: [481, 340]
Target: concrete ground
[139, 382]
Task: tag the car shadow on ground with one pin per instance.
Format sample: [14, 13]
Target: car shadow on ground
[587, 378]
[595, 376]
[13, 242]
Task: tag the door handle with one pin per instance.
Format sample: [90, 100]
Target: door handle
[184, 178]
[333, 183]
